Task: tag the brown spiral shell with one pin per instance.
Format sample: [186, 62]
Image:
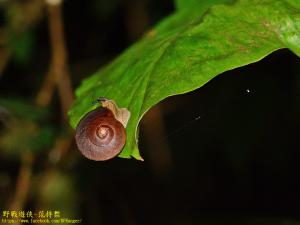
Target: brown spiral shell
[99, 136]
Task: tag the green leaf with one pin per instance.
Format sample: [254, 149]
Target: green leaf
[187, 50]
[198, 5]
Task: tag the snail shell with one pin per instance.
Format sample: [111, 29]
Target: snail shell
[99, 135]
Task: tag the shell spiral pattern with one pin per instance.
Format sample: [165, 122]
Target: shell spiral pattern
[99, 136]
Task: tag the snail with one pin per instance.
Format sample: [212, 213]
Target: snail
[100, 134]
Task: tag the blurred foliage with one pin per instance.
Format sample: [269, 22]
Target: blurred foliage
[22, 136]
[24, 129]
[57, 191]
[20, 18]
[21, 46]
[24, 109]
[101, 10]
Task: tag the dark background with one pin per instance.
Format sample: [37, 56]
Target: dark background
[236, 164]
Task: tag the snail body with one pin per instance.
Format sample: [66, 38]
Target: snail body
[99, 135]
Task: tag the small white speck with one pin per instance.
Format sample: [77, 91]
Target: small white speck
[198, 117]
[248, 91]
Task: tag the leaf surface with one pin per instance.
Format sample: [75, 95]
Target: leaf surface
[185, 51]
